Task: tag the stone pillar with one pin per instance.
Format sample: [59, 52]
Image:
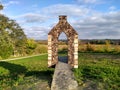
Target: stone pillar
[70, 51]
[76, 51]
[49, 50]
[55, 51]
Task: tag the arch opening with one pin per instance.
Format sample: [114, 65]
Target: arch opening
[63, 47]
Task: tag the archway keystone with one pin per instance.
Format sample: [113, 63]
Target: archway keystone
[72, 36]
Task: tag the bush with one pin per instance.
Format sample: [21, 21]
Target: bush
[30, 46]
[90, 47]
[41, 49]
[6, 45]
[117, 49]
[82, 48]
[107, 47]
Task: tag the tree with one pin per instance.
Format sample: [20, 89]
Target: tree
[6, 47]
[18, 37]
[1, 6]
[12, 35]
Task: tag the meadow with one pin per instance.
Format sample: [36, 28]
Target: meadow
[100, 71]
[25, 73]
[99, 68]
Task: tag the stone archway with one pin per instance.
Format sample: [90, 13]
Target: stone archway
[53, 35]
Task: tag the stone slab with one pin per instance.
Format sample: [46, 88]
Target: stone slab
[63, 78]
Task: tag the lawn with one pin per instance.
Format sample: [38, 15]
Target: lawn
[25, 73]
[98, 71]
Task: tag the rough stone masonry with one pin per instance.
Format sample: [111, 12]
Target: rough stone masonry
[72, 36]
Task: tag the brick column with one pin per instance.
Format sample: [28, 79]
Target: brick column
[49, 50]
[76, 51]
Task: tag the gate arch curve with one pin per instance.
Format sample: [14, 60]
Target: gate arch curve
[72, 37]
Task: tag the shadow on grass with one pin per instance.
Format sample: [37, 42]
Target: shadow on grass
[15, 70]
[42, 75]
[9, 79]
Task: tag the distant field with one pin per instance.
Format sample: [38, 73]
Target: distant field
[100, 71]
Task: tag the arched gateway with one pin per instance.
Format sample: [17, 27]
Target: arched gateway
[72, 37]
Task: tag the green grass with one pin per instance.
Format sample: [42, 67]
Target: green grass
[100, 71]
[24, 71]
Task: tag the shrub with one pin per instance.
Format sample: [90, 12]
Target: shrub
[6, 50]
[82, 48]
[41, 49]
[117, 49]
[90, 47]
[30, 46]
[107, 47]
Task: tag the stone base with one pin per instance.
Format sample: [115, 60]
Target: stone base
[63, 78]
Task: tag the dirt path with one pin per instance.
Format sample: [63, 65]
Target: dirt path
[22, 57]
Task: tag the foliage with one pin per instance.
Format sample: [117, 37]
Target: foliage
[116, 49]
[41, 49]
[30, 45]
[107, 46]
[11, 32]
[1, 7]
[100, 41]
[6, 47]
[90, 47]
[6, 50]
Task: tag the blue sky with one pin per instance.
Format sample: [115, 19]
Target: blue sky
[92, 19]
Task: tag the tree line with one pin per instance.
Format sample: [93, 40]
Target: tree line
[13, 40]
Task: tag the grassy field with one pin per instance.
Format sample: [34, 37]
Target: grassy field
[25, 73]
[115, 49]
[98, 71]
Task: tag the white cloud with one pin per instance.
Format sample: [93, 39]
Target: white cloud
[90, 1]
[33, 18]
[11, 3]
[112, 8]
[88, 23]
[66, 9]
[37, 32]
[102, 26]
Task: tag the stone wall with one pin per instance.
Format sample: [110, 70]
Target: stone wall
[53, 35]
